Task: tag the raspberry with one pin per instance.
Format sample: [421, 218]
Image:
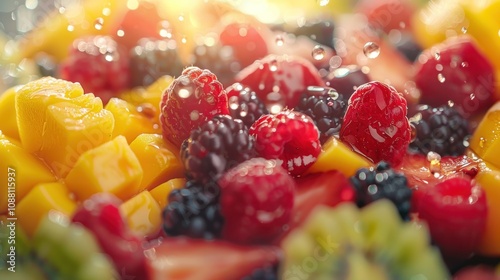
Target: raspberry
[290, 137]
[372, 184]
[246, 40]
[280, 79]
[193, 211]
[256, 201]
[219, 59]
[326, 107]
[442, 130]
[244, 104]
[191, 100]
[218, 145]
[152, 59]
[99, 64]
[375, 123]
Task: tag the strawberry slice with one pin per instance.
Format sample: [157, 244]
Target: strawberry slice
[184, 258]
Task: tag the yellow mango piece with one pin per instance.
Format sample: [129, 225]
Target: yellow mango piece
[40, 201]
[158, 158]
[32, 101]
[489, 180]
[151, 94]
[21, 171]
[161, 192]
[8, 125]
[142, 214]
[337, 156]
[485, 142]
[111, 167]
[129, 122]
[71, 130]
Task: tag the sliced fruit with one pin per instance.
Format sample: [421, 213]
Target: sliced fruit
[335, 155]
[371, 243]
[142, 214]
[489, 180]
[387, 15]
[158, 159]
[131, 121]
[70, 130]
[41, 200]
[485, 141]
[183, 258]
[22, 171]
[8, 126]
[160, 193]
[111, 167]
[32, 101]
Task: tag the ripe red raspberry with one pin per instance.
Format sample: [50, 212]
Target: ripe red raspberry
[290, 137]
[280, 79]
[375, 123]
[99, 64]
[256, 201]
[193, 98]
[246, 40]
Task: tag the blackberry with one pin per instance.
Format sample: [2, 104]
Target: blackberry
[326, 107]
[265, 273]
[194, 211]
[372, 184]
[409, 48]
[216, 146]
[442, 130]
[244, 104]
[346, 79]
[219, 59]
[321, 31]
[151, 59]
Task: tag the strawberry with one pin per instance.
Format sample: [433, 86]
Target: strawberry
[290, 137]
[184, 258]
[375, 123]
[280, 80]
[256, 201]
[191, 100]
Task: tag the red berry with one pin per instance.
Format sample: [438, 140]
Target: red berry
[248, 43]
[290, 137]
[455, 211]
[191, 100]
[479, 272]
[101, 215]
[256, 201]
[388, 15]
[456, 71]
[99, 64]
[375, 123]
[280, 79]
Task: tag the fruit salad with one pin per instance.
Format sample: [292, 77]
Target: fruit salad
[250, 140]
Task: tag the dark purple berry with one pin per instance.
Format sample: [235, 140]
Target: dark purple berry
[346, 79]
[264, 273]
[320, 31]
[409, 48]
[244, 104]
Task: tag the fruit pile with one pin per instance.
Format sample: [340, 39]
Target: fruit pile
[206, 141]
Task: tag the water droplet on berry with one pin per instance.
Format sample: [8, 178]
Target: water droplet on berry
[335, 62]
[464, 30]
[451, 103]
[402, 25]
[70, 28]
[437, 55]
[439, 67]
[318, 52]
[323, 3]
[372, 189]
[243, 110]
[194, 115]
[184, 39]
[464, 64]
[98, 23]
[472, 96]
[62, 10]
[184, 93]
[365, 69]
[233, 102]
[413, 132]
[164, 29]
[333, 94]
[273, 65]
[280, 41]
[109, 57]
[441, 78]
[371, 50]
[482, 142]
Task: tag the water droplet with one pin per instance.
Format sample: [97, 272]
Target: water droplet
[181, 17]
[106, 11]
[275, 108]
[437, 55]
[194, 115]
[451, 103]
[62, 10]
[120, 33]
[482, 141]
[402, 25]
[147, 110]
[365, 69]
[98, 23]
[323, 3]
[318, 52]
[335, 62]
[280, 41]
[434, 162]
[184, 39]
[109, 57]
[184, 93]
[464, 64]
[70, 28]
[441, 78]
[164, 29]
[439, 67]
[472, 96]
[243, 110]
[371, 50]
[464, 30]
[273, 65]
[413, 132]
[233, 102]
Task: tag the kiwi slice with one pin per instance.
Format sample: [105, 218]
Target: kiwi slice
[370, 243]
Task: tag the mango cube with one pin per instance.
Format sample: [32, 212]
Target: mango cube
[40, 201]
[142, 214]
[489, 180]
[111, 167]
[8, 125]
[129, 122]
[32, 102]
[70, 130]
[485, 142]
[161, 192]
[158, 159]
[337, 156]
[25, 170]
